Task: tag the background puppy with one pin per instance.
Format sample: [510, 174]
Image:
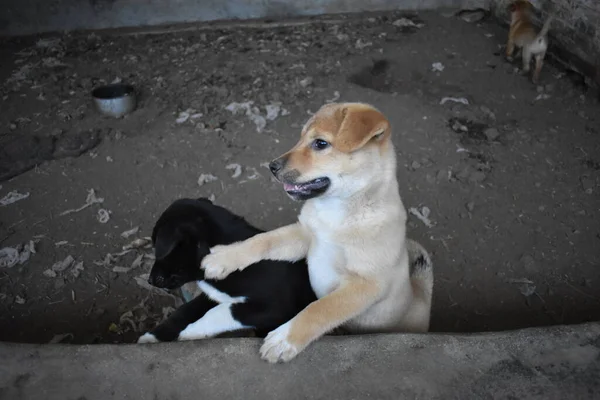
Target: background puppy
[523, 35]
[352, 229]
[261, 298]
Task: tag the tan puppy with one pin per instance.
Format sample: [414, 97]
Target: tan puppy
[351, 229]
[523, 35]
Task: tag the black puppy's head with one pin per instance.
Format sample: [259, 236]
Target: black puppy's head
[180, 239]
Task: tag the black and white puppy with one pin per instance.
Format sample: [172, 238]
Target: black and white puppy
[260, 298]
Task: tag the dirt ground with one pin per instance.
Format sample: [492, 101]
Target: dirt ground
[510, 179]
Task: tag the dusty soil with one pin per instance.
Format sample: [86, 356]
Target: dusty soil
[511, 179]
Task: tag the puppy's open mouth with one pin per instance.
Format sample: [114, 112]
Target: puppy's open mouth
[307, 190]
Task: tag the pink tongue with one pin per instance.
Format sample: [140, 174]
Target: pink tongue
[288, 187]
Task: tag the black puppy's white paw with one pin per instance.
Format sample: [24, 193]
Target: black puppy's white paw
[147, 338]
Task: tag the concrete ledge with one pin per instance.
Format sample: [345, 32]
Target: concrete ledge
[544, 363]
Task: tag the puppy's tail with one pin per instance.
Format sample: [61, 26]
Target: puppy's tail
[545, 27]
[421, 269]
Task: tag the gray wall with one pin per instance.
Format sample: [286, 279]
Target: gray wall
[23, 17]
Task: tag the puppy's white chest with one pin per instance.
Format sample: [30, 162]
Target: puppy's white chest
[324, 260]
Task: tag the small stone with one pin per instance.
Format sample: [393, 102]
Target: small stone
[19, 300]
[415, 165]
[472, 16]
[491, 134]
[489, 113]
[587, 184]
[441, 175]
[12, 126]
[529, 264]
[430, 179]
[470, 206]
[306, 82]
[462, 215]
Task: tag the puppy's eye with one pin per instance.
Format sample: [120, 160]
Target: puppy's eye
[319, 144]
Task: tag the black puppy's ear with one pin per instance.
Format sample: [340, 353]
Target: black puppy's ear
[165, 243]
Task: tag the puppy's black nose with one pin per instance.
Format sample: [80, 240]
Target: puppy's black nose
[276, 165]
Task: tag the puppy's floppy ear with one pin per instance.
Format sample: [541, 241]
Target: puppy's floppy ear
[165, 242]
[360, 124]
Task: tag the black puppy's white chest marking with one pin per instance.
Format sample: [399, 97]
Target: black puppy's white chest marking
[216, 295]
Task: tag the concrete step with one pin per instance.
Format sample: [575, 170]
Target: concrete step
[561, 362]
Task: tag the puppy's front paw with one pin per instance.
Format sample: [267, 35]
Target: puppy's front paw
[221, 262]
[147, 338]
[276, 346]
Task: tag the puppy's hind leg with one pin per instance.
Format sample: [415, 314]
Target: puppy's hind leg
[539, 62]
[216, 321]
[526, 59]
[510, 49]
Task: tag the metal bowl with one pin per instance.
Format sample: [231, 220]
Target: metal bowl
[115, 100]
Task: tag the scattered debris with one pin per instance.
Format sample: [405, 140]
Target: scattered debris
[470, 206]
[455, 100]
[89, 200]
[103, 216]
[306, 82]
[472, 15]
[119, 270]
[189, 114]
[438, 67]
[52, 62]
[60, 337]
[542, 96]
[138, 243]
[361, 44]
[527, 289]
[255, 174]
[237, 170]
[142, 281]
[138, 261]
[206, 178]
[60, 266]
[76, 270]
[422, 215]
[251, 111]
[491, 133]
[47, 43]
[11, 256]
[407, 23]
[274, 110]
[488, 113]
[13, 197]
[49, 273]
[336, 97]
[61, 243]
[108, 259]
[131, 232]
